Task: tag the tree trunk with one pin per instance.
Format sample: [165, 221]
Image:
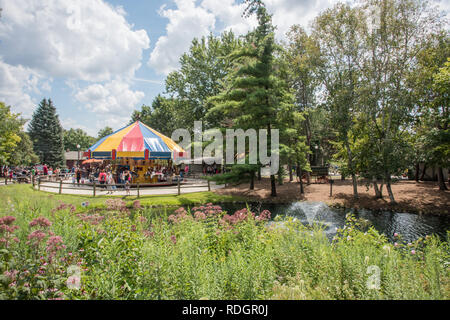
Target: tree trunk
[441, 181]
[273, 186]
[280, 177]
[259, 173]
[300, 171]
[389, 189]
[350, 165]
[423, 171]
[378, 191]
[291, 176]
[416, 175]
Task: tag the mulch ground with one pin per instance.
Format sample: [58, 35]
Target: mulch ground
[411, 196]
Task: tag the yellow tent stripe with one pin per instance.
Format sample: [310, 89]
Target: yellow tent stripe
[130, 154]
[170, 143]
[113, 141]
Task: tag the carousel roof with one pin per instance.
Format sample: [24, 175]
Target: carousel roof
[136, 140]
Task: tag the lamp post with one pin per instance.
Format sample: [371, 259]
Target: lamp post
[78, 147]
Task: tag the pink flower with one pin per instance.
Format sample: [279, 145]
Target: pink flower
[55, 244]
[173, 239]
[73, 282]
[137, 204]
[395, 244]
[41, 222]
[396, 234]
[36, 236]
[413, 251]
[8, 220]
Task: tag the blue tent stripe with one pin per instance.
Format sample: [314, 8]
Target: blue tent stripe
[153, 142]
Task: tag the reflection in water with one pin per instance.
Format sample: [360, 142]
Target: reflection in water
[409, 226]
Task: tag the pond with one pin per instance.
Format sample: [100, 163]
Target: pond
[409, 226]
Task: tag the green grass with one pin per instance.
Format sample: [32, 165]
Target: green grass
[22, 191]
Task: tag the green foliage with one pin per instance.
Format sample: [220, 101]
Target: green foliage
[23, 153]
[47, 134]
[104, 132]
[205, 253]
[10, 128]
[74, 137]
[161, 116]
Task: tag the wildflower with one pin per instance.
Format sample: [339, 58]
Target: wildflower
[137, 204]
[41, 222]
[395, 234]
[36, 236]
[413, 251]
[55, 244]
[143, 219]
[148, 233]
[73, 282]
[11, 274]
[133, 228]
[8, 220]
[395, 244]
[173, 239]
[199, 215]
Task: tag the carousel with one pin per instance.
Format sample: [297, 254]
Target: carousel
[146, 153]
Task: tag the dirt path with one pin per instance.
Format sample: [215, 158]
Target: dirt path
[411, 196]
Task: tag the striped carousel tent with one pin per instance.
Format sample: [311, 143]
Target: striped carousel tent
[137, 141]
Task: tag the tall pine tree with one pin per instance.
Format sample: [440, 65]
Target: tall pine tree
[47, 134]
[255, 95]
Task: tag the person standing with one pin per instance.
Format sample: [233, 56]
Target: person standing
[102, 177]
[78, 175]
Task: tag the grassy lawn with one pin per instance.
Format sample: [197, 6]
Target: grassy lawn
[22, 191]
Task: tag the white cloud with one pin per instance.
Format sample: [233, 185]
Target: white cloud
[16, 82]
[193, 18]
[110, 99]
[185, 23]
[85, 39]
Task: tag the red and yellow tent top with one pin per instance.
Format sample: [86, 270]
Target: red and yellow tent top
[137, 141]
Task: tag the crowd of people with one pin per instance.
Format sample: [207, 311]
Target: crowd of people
[13, 173]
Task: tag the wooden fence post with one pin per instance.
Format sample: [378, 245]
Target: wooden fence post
[39, 183]
[6, 181]
[209, 186]
[331, 187]
[60, 186]
[94, 189]
[138, 189]
[179, 186]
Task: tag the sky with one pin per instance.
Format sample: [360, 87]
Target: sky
[99, 60]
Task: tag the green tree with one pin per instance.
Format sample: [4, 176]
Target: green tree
[161, 116]
[391, 49]
[23, 154]
[201, 73]
[10, 127]
[255, 94]
[336, 32]
[47, 134]
[104, 132]
[74, 137]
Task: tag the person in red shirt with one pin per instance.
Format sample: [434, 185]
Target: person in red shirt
[45, 169]
[102, 177]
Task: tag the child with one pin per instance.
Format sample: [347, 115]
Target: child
[127, 183]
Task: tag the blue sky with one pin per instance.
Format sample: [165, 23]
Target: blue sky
[99, 60]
